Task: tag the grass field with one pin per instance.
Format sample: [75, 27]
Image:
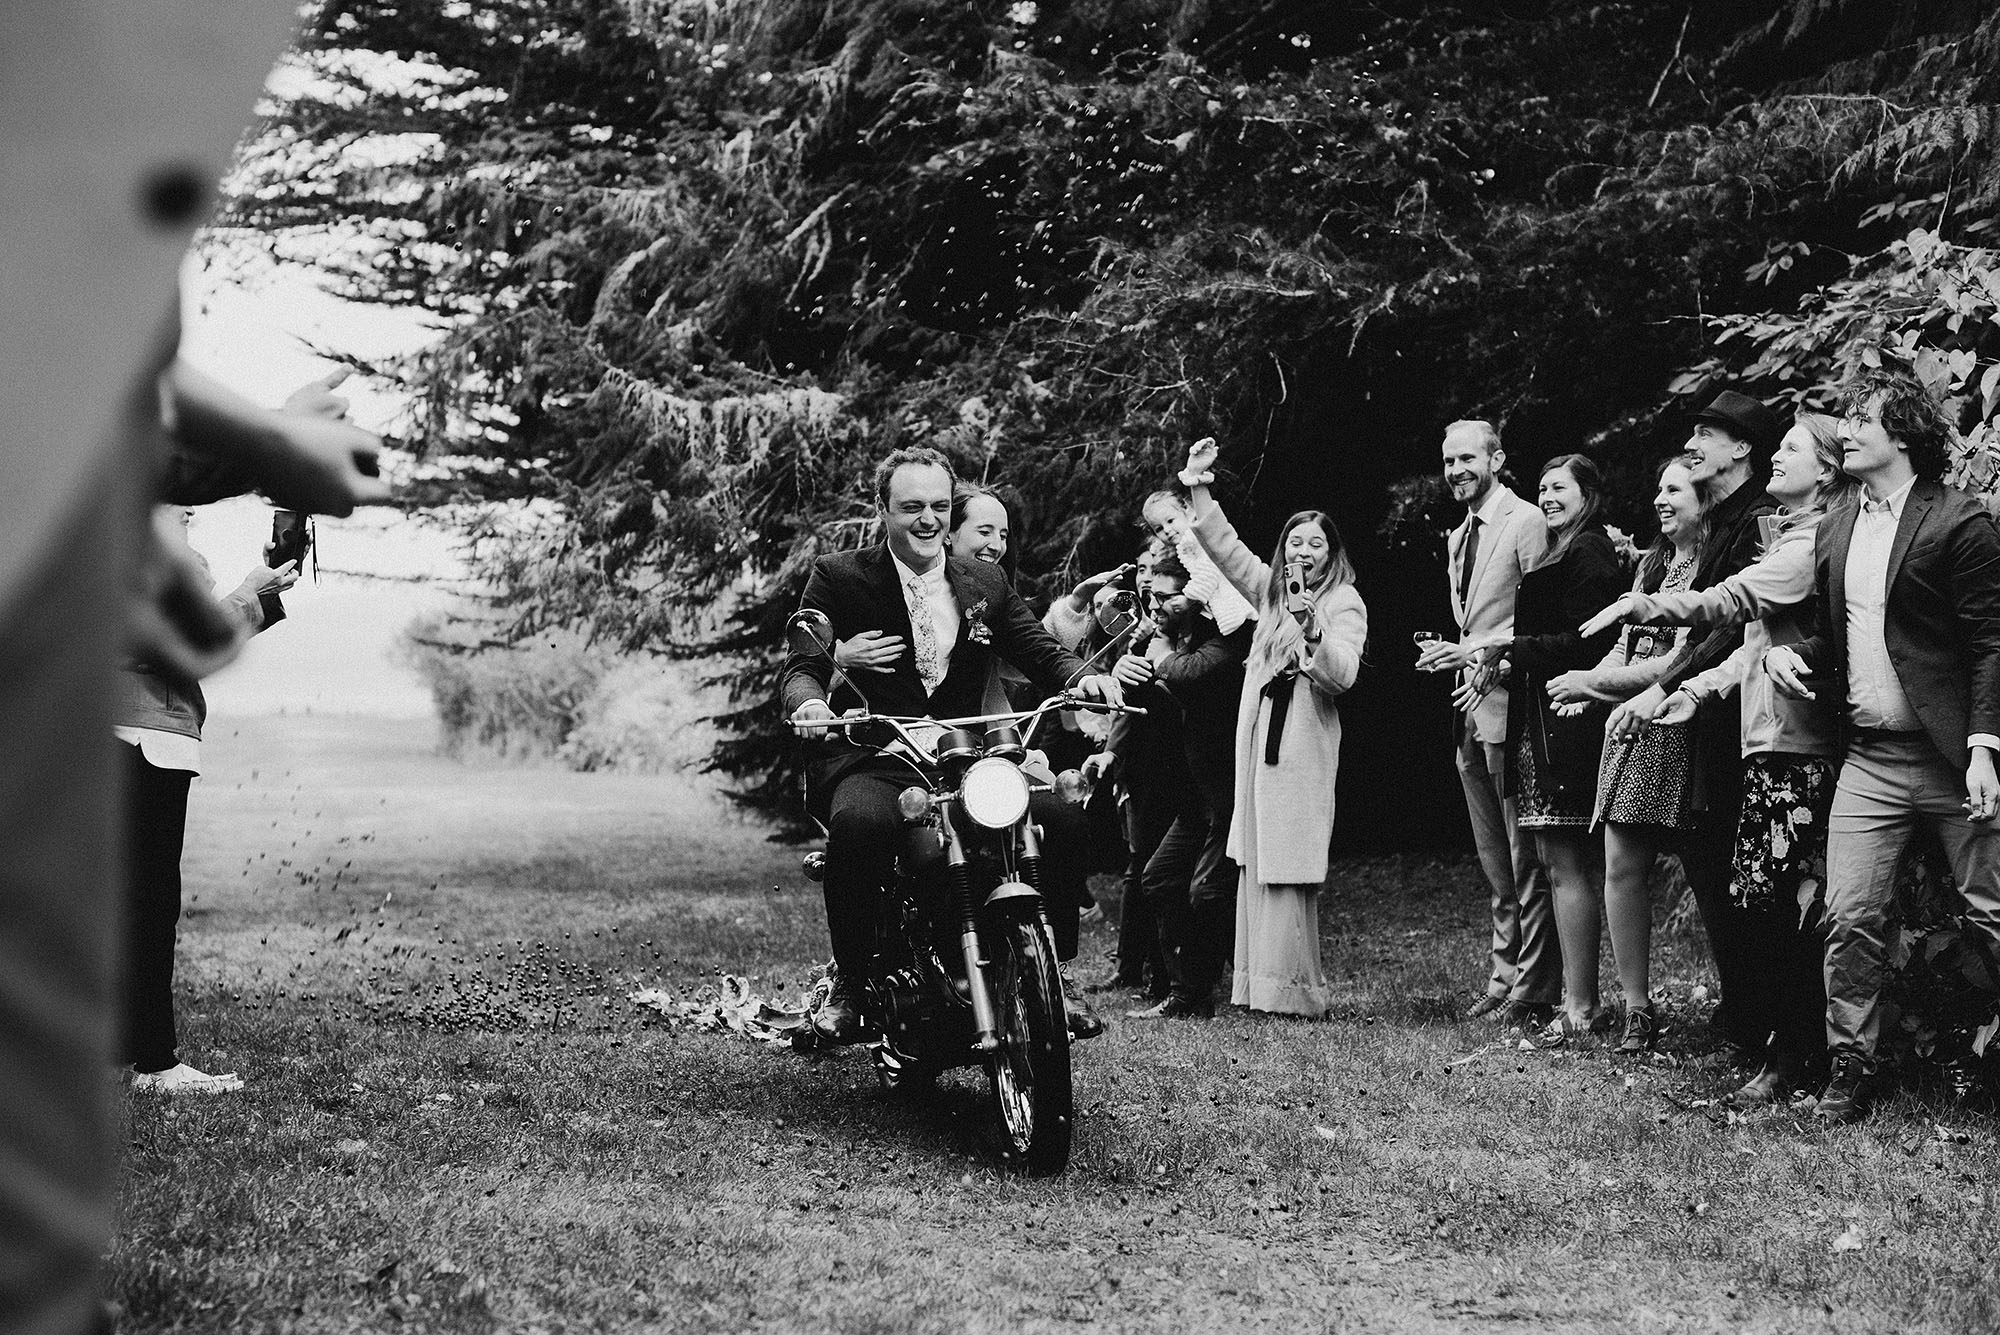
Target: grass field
[454, 1121]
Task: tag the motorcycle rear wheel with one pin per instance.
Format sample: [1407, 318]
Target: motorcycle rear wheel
[1030, 1074]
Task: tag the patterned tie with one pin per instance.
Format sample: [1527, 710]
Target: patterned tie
[923, 634]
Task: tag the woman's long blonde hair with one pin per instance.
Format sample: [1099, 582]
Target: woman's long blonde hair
[1278, 633]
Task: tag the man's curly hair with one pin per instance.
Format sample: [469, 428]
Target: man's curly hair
[921, 456]
[1909, 412]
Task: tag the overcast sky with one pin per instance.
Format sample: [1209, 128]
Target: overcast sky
[379, 569]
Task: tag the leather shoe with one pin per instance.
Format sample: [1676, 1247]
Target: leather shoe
[839, 1018]
[1642, 1030]
[1485, 1006]
[1083, 1021]
[1769, 1085]
[1848, 1094]
[1175, 1007]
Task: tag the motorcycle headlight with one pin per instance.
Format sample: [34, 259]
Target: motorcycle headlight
[994, 793]
[913, 804]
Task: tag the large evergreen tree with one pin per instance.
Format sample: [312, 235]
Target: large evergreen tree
[706, 259]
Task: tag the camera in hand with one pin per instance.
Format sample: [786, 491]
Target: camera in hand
[291, 537]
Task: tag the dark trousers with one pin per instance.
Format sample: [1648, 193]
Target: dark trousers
[1708, 855]
[1784, 995]
[864, 832]
[155, 828]
[1141, 956]
[1191, 882]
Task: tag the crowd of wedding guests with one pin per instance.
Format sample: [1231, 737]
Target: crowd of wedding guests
[1801, 669]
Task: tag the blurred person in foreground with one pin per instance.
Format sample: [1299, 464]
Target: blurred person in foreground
[114, 122]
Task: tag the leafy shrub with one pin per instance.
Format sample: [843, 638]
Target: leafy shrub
[559, 695]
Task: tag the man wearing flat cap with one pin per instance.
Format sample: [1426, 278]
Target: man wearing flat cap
[1729, 455]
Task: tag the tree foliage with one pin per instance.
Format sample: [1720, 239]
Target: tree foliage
[705, 260]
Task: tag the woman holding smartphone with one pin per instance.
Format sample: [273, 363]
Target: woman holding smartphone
[1311, 629]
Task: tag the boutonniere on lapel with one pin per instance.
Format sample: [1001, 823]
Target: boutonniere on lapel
[976, 629]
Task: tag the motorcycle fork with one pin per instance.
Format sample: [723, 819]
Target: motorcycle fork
[958, 875]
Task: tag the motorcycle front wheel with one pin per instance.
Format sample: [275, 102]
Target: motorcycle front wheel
[1030, 1073]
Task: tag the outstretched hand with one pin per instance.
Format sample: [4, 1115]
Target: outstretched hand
[316, 398]
[1679, 709]
[1619, 610]
[302, 458]
[1628, 719]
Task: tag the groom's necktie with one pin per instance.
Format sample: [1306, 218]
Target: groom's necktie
[923, 634]
[1468, 552]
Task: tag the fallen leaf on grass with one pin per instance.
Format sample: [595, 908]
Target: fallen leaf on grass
[733, 1008]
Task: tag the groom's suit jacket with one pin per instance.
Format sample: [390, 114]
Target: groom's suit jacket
[1942, 620]
[1509, 546]
[859, 591]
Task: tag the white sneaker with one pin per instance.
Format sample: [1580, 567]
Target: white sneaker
[184, 1079]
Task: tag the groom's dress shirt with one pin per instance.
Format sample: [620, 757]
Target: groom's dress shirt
[1874, 694]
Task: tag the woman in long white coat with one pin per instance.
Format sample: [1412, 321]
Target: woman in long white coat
[1305, 654]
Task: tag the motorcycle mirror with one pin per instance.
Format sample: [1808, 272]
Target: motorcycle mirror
[1118, 612]
[809, 631]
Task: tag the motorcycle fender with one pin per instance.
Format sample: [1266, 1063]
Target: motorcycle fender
[1013, 893]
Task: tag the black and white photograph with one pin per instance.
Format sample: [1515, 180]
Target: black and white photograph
[900, 667]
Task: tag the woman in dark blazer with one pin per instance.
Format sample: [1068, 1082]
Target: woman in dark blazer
[1552, 756]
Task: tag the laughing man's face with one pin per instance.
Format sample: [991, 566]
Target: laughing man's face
[918, 514]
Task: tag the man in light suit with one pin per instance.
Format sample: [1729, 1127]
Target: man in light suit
[1502, 537]
[1909, 642]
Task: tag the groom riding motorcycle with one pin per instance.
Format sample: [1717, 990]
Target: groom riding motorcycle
[947, 621]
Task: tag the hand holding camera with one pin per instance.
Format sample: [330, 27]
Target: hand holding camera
[291, 539]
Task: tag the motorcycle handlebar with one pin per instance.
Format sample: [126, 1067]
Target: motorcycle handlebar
[1011, 716]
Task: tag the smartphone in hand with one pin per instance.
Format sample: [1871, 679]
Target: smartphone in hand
[291, 538]
[1297, 599]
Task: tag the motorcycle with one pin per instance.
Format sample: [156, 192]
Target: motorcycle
[968, 972]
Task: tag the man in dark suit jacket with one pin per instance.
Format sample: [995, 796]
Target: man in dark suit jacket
[935, 664]
[1909, 587]
[1190, 879]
